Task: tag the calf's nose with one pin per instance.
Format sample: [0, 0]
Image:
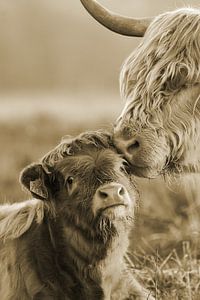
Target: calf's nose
[114, 191]
[111, 195]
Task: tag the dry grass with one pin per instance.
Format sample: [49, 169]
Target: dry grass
[176, 276]
[165, 243]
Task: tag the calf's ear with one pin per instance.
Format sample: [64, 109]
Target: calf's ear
[36, 181]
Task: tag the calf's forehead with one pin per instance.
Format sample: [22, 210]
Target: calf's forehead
[103, 161]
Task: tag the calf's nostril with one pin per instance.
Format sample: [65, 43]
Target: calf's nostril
[121, 191]
[135, 145]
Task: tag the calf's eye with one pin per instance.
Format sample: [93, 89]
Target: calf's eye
[70, 180]
[70, 184]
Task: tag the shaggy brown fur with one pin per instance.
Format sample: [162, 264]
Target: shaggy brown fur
[71, 242]
[161, 84]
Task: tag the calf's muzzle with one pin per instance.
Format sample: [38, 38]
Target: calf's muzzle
[110, 195]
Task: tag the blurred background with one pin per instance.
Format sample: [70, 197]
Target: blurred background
[59, 74]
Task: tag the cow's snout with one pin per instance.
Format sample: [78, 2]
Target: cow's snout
[129, 147]
[111, 195]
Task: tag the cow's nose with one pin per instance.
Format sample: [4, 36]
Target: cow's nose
[128, 147]
[133, 146]
[114, 191]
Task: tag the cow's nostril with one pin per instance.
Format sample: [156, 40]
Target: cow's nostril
[133, 147]
[103, 195]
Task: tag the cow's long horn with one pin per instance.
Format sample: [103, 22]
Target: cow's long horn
[119, 24]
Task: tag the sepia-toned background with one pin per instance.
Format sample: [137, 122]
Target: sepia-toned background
[59, 74]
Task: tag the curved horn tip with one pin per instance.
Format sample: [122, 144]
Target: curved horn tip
[114, 22]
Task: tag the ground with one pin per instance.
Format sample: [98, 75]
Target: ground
[165, 242]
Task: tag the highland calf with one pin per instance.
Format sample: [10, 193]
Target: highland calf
[158, 131]
[69, 243]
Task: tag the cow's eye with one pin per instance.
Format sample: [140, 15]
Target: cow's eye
[125, 168]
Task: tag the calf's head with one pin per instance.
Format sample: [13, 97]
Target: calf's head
[85, 180]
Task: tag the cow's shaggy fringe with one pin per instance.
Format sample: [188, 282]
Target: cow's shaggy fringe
[166, 61]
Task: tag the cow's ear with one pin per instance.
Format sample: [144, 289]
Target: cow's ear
[36, 181]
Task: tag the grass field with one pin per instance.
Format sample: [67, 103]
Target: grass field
[165, 248]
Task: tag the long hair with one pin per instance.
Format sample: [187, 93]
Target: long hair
[17, 218]
[166, 61]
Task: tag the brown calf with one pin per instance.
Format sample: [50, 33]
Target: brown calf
[70, 242]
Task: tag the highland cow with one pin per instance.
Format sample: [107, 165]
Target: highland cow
[70, 241]
[158, 130]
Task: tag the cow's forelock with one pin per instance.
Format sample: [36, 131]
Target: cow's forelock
[166, 61]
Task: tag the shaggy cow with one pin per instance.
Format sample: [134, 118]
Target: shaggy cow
[158, 129]
[69, 243]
